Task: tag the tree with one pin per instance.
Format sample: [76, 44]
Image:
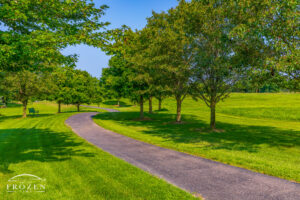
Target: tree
[137, 55]
[74, 86]
[33, 32]
[141, 81]
[62, 79]
[114, 78]
[171, 54]
[25, 85]
[148, 70]
[81, 89]
[234, 39]
[96, 94]
[129, 81]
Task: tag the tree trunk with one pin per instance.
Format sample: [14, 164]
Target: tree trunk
[25, 108]
[178, 117]
[59, 107]
[4, 100]
[118, 103]
[141, 107]
[159, 103]
[213, 116]
[78, 107]
[150, 105]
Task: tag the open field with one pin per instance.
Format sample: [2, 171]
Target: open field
[42, 145]
[261, 132]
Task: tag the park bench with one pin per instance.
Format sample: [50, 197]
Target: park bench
[33, 111]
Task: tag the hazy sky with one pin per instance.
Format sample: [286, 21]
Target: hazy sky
[132, 13]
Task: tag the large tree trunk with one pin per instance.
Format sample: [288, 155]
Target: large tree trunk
[78, 107]
[178, 117]
[59, 107]
[141, 107]
[25, 108]
[159, 103]
[150, 105]
[213, 116]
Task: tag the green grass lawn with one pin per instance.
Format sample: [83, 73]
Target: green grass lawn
[261, 132]
[42, 145]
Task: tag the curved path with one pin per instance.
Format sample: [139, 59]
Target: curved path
[212, 180]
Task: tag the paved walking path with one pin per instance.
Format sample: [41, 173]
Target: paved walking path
[212, 180]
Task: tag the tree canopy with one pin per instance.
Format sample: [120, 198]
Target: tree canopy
[33, 32]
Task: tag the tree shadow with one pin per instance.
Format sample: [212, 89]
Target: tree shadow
[82, 111]
[192, 130]
[43, 145]
[162, 110]
[115, 103]
[13, 105]
[4, 117]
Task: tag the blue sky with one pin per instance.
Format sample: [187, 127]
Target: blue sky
[132, 13]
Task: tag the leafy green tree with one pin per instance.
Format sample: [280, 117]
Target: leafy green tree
[26, 85]
[33, 31]
[140, 81]
[74, 87]
[82, 89]
[148, 70]
[114, 78]
[217, 65]
[98, 96]
[137, 58]
[233, 39]
[62, 79]
[123, 76]
[170, 54]
[96, 92]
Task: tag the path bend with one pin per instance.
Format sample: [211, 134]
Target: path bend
[212, 180]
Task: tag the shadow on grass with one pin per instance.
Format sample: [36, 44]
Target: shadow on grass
[192, 130]
[115, 103]
[82, 111]
[4, 117]
[13, 105]
[162, 110]
[43, 145]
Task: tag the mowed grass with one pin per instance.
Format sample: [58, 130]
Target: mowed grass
[265, 106]
[260, 132]
[44, 146]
